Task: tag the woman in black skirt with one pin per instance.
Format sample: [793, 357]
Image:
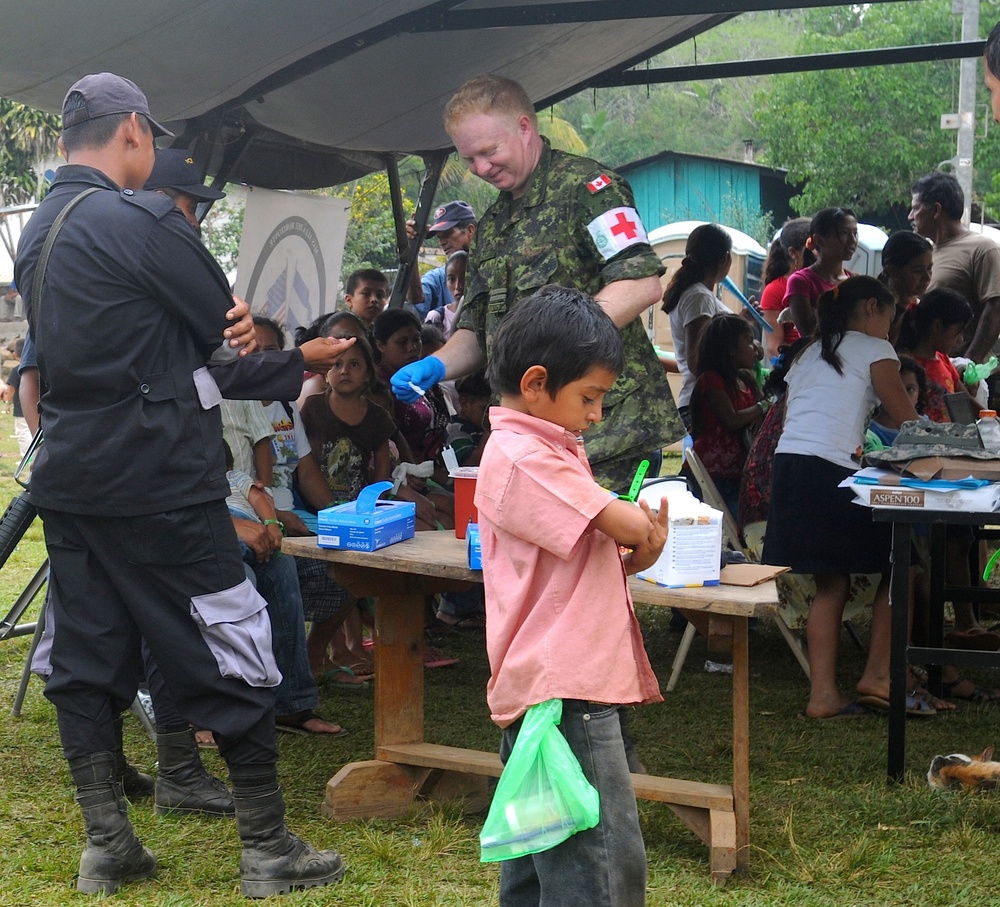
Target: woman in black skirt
[814, 526]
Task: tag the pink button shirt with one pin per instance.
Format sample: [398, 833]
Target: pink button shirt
[559, 617]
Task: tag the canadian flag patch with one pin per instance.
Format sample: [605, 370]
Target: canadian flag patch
[597, 185]
[616, 230]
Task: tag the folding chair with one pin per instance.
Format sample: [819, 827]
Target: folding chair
[791, 587]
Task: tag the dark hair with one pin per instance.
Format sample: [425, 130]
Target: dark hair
[707, 245]
[941, 189]
[371, 275]
[325, 324]
[431, 333]
[774, 384]
[900, 249]
[458, 254]
[942, 305]
[365, 348]
[474, 386]
[279, 332]
[793, 235]
[827, 221]
[561, 329]
[992, 51]
[95, 133]
[837, 307]
[718, 342]
[908, 364]
[391, 320]
[227, 454]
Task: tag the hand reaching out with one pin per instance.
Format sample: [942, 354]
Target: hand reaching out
[644, 554]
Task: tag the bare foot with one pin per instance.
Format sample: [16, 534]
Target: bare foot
[322, 726]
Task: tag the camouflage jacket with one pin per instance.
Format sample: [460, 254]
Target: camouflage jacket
[547, 236]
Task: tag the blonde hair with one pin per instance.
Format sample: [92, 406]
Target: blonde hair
[489, 93]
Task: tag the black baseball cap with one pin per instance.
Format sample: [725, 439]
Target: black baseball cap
[105, 94]
[451, 215]
[174, 168]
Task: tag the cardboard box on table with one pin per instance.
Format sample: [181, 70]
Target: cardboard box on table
[882, 488]
[927, 468]
[367, 524]
[693, 552]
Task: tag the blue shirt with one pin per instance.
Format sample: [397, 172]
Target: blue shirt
[436, 293]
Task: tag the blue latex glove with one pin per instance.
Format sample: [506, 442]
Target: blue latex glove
[424, 373]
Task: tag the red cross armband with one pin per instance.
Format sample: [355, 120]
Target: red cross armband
[616, 230]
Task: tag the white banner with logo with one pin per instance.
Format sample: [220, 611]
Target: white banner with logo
[290, 255]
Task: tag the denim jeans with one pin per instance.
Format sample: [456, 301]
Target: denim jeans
[278, 584]
[604, 866]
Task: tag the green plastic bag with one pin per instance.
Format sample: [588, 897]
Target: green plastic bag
[542, 797]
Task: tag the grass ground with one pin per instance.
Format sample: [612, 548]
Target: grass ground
[825, 827]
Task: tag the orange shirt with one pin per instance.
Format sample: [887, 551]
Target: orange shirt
[559, 618]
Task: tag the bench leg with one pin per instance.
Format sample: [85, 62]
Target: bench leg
[717, 828]
[387, 790]
[372, 790]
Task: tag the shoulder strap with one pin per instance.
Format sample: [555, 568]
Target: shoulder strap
[43, 258]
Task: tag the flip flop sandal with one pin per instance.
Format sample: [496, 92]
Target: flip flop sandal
[979, 694]
[915, 708]
[296, 724]
[329, 678]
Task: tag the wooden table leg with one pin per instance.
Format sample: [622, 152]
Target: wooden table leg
[399, 669]
[383, 787]
[741, 742]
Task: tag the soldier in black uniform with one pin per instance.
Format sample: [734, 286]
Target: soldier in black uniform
[131, 485]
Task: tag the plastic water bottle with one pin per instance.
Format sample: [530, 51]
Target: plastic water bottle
[989, 429]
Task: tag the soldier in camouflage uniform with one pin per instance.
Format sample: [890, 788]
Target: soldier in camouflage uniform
[559, 219]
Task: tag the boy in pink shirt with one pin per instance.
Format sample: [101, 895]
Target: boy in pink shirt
[559, 617]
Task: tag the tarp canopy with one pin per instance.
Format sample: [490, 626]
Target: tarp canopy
[303, 93]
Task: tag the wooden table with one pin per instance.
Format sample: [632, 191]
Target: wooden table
[406, 768]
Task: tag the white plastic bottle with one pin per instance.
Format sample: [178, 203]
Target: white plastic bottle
[989, 429]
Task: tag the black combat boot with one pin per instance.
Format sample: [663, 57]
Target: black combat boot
[183, 785]
[136, 785]
[275, 861]
[113, 853]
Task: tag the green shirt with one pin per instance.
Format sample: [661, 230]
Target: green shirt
[545, 237]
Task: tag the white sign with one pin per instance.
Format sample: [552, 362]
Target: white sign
[290, 255]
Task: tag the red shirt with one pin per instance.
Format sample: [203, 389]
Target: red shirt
[942, 379]
[773, 300]
[723, 452]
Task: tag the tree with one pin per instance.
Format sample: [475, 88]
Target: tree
[27, 136]
[371, 232]
[710, 117]
[860, 137]
[221, 231]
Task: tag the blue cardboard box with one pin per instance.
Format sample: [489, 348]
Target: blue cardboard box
[474, 546]
[367, 523]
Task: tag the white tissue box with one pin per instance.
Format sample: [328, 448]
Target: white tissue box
[693, 552]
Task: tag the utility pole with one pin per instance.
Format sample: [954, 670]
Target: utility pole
[968, 80]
